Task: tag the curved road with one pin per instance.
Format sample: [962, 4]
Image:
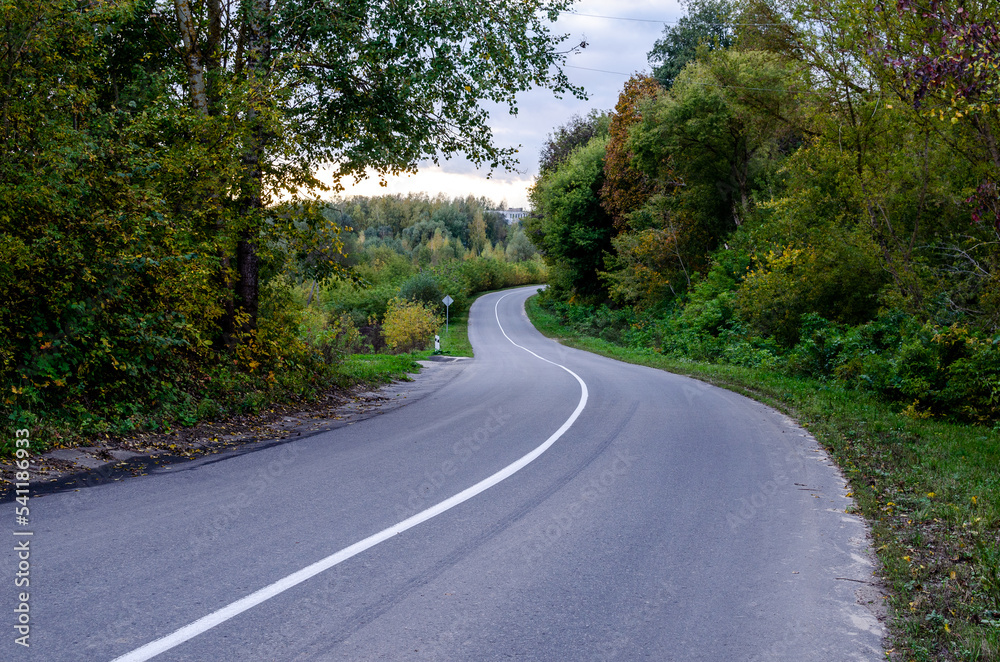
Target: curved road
[539, 503]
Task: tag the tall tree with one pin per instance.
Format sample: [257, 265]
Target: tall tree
[722, 130]
[691, 166]
[477, 233]
[929, 68]
[955, 75]
[359, 84]
[707, 24]
[570, 227]
[626, 187]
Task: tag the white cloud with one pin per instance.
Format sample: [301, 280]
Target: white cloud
[618, 46]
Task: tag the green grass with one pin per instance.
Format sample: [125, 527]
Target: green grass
[455, 340]
[377, 369]
[929, 489]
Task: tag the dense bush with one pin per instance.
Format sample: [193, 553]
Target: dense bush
[333, 336]
[409, 326]
[928, 370]
[936, 371]
[423, 288]
[785, 284]
[358, 302]
[485, 274]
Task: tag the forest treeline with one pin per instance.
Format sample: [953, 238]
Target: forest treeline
[402, 255]
[810, 187]
[163, 239]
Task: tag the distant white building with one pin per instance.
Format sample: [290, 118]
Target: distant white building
[510, 215]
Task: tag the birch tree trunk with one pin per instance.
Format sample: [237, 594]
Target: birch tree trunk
[194, 61]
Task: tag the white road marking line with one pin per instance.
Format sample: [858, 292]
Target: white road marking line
[208, 622]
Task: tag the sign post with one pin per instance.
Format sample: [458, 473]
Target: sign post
[447, 301]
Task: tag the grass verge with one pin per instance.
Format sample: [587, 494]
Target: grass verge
[377, 369]
[930, 491]
[455, 335]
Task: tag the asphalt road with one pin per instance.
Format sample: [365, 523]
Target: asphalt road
[534, 505]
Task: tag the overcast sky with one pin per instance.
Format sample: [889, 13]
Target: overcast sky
[615, 47]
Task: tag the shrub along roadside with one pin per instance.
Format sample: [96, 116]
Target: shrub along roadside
[304, 345]
[229, 392]
[408, 325]
[929, 490]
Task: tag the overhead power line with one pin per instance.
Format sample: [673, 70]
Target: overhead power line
[617, 18]
[603, 71]
[665, 22]
[719, 85]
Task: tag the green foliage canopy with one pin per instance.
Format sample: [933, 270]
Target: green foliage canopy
[571, 227]
[706, 25]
